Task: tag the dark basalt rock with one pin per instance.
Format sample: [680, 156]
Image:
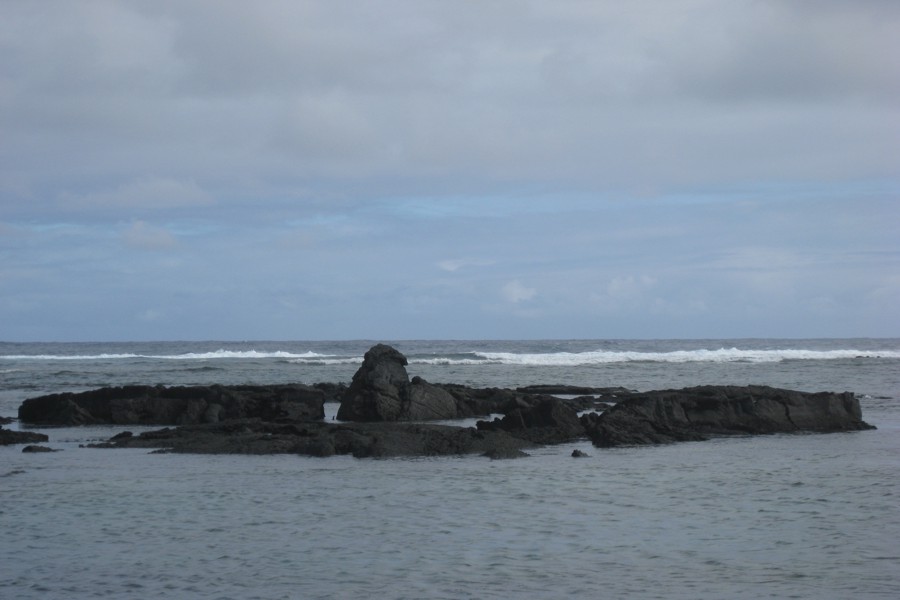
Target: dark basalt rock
[505, 454]
[649, 418]
[37, 449]
[694, 414]
[540, 419]
[472, 402]
[380, 406]
[8, 438]
[332, 392]
[382, 391]
[160, 405]
[372, 439]
[379, 387]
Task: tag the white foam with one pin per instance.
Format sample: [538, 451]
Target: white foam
[721, 355]
[186, 356]
[324, 360]
[442, 361]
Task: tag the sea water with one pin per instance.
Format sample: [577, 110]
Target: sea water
[783, 516]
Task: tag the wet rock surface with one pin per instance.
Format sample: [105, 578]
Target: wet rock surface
[37, 449]
[698, 413]
[385, 413]
[381, 390]
[540, 419]
[181, 405]
[8, 437]
[322, 439]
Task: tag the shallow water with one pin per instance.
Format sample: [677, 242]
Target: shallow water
[803, 516]
[780, 516]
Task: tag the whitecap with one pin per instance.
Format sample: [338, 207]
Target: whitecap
[722, 355]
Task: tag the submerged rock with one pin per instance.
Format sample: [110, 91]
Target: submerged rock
[697, 413]
[505, 454]
[37, 449]
[160, 405]
[8, 438]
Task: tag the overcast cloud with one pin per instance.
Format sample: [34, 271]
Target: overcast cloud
[418, 169]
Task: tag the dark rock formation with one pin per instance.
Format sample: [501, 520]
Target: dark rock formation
[471, 402]
[378, 389]
[538, 419]
[579, 454]
[251, 436]
[382, 391]
[505, 454]
[160, 405]
[332, 392]
[8, 438]
[697, 413]
[648, 418]
[37, 449]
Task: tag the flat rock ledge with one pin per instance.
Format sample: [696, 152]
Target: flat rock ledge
[698, 413]
[361, 440]
[179, 405]
[8, 437]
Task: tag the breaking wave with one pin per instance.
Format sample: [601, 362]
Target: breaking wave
[721, 355]
[568, 359]
[252, 354]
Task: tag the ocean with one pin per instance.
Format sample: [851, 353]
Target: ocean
[781, 516]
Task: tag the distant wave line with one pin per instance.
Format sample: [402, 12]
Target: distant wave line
[680, 356]
[722, 355]
[185, 356]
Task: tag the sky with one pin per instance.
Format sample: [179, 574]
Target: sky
[492, 169]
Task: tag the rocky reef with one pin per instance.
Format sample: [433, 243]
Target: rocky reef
[699, 413]
[182, 405]
[385, 413]
[370, 439]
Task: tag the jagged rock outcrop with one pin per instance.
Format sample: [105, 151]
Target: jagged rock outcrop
[697, 413]
[8, 437]
[472, 402]
[160, 405]
[382, 391]
[540, 419]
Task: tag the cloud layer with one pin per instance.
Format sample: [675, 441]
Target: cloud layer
[435, 169]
